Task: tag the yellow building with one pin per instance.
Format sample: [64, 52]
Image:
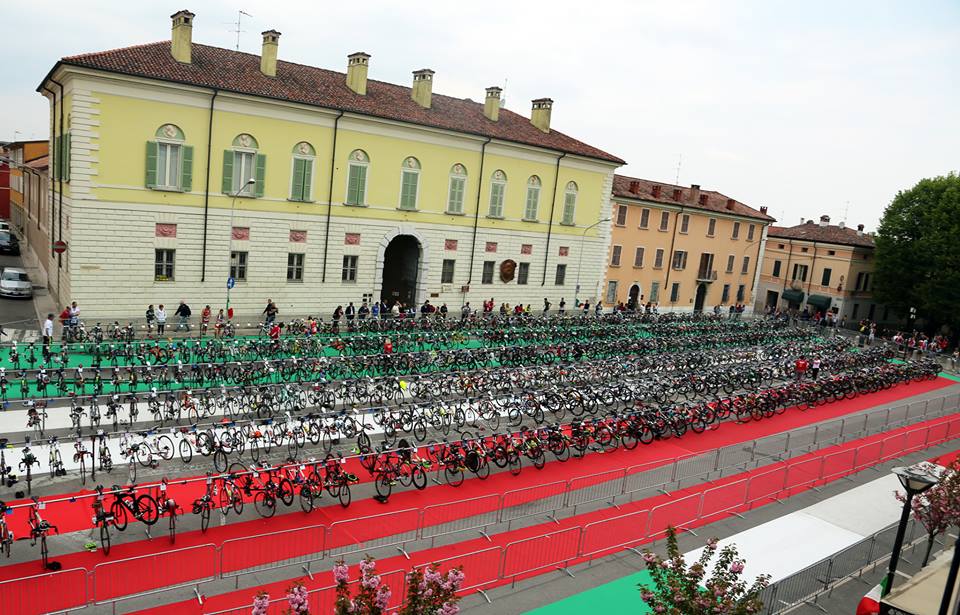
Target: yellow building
[682, 248]
[186, 165]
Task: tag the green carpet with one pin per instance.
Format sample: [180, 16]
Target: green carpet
[620, 596]
[947, 375]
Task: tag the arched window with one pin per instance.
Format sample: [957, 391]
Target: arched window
[169, 161]
[409, 183]
[241, 164]
[458, 187]
[533, 199]
[498, 191]
[569, 203]
[301, 181]
[357, 177]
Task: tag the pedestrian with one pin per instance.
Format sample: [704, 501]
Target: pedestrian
[815, 368]
[364, 311]
[387, 346]
[443, 311]
[562, 306]
[465, 312]
[504, 309]
[205, 319]
[74, 314]
[151, 316]
[395, 310]
[375, 310]
[731, 311]
[598, 308]
[350, 312]
[426, 309]
[337, 315]
[270, 311]
[218, 327]
[716, 310]
[546, 306]
[275, 329]
[161, 319]
[183, 315]
[800, 368]
[586, 307]
[955, 359]
[47, 332]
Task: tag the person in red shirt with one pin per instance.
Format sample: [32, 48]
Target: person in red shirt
[387, 346]
[801, 368]
[275, 330]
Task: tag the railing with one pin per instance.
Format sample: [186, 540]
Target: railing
[707, 275]
[122, 579]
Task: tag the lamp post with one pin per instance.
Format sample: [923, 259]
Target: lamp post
[576, 293]
[233, 203]
[914, 482]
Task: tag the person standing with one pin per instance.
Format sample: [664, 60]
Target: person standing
[815, 368]
[205, 320]
[350, 312]
[47, 332]
[465, 311]
[183, 315]
[375, 311]
[364, 311]
[562, 306]
[74, 314]
[801, 368]
[546, 306]
[598, 308]
[221, 319]
[270, 311]
[161, 319]
[395, 310]
[387, 346]
[443, 311]
[151, 316]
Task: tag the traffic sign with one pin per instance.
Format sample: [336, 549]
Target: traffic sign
[231, 283]
[60, 247]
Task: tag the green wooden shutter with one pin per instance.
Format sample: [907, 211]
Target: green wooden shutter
[152, 148]
[408, 191]
[361, 184]
[186, 168]
[261, 174]
[307, 180]
[227, 171]
[57, 158]
[66, 157]
[296, 186]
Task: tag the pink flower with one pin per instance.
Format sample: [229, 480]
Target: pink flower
[736, 567]
[713, 542]
[383, 598]
[371, 582]
[260, 604]
[341, 574]
[449, 609]
[649, 557]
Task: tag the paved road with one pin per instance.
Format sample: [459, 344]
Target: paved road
[18, 316]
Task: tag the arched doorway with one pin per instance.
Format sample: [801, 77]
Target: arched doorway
[401, 268]
[701, 298]
[634, 297]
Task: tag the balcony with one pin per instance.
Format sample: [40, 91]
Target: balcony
[707, 275]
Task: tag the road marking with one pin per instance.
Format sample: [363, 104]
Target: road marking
[20, 336]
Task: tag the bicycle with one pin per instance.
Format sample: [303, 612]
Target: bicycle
[102, 519]
[27, 462]
[80, 454]
[6, 535]
[204, 504]
[127, 503]
[39, 530]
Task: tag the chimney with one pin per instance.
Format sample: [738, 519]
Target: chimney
[763, 209]
[824, 220]
[181, 39]
[842, 224]
[656, 191]
[357, 64]
[422, 91]
[268, 57]
[635, 187]
[677, 194]
[694, 193]
[491, 105]
[731, 204]
[540, 116]
[859, 230]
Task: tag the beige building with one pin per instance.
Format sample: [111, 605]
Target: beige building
[820, 266]
[684, 248]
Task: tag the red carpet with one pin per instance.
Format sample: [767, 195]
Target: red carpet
[75, 516]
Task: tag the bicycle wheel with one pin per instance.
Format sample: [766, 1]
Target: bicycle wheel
[265, 503]
[105, 537]
[514, 462]
[237, 502]
[146, 509]
[254, 451]
[384, 485]
[119, 512]
[220, 461]
[306, 498]
[453, 475]
[204, 517]
[173, 526]
[285, 491]
[345, 496]
[418, 477]
[106, 462]
[165, 447]
[186, 451]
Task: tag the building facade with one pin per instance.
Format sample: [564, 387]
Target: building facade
[29, 211]
[821, 267]
[184, 165]
[685, 249]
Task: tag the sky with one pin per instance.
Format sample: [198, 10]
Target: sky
[809, 108]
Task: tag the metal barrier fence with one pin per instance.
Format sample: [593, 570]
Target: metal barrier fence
[120, 580]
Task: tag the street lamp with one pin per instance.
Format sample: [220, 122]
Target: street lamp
[233, 202]
[915, 482]
[576, 293]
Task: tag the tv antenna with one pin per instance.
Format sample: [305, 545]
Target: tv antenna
[237, 30]
[846, 211]
[503, 97]
[679, 163]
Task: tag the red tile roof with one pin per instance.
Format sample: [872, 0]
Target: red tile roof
[831, 233]
[644, 189]
[234, 71]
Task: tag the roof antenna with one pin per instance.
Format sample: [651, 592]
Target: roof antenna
[846, 210]
[679, 162]
[240, 14]
[503, 99]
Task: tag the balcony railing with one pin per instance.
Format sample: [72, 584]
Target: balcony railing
[705, 275]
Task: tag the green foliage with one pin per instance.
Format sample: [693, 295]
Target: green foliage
[918, 252]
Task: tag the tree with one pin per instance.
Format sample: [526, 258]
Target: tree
[428, 591]
[679, 590]
[938, 508]
[918, 255]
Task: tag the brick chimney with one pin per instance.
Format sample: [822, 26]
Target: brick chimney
[540, 115]
[491, 105]
[694, 193]
[859, 230]
[181, 39]
[731, 204]
[357, 65]
[268, 57]
[422, 91]
[677, 194]
[656, 191]
[635, 187]
[824, 220]
[763, 209]
[842, 224]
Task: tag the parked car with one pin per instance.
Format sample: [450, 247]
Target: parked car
[9, 243]
[4, 226]
[14, 282]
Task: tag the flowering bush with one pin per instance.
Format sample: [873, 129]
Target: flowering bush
[679, 590]
[260, 603]
[938, 507]
[428, 591]
[297, 600]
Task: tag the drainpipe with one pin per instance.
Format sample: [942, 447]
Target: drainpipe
[787, 272]
[333, 164]
[206, 189]
[553, 206]
[53, 162]
[476, 214]
[813, 264]
[673, 240]
[60, 191]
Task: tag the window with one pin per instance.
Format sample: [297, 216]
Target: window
[458, 186]
[750, 231]
[357, 177]
[169, 161]
[741, 289]
[800, 272]
[856, 310]
[163, 264]
[611, 291]
[238, 266]
[804, 249]
[680, 259]
[638, 258]
[776, 269]
[863, 281]
[61, 160]
[655, 292]
[294, 267]
[746, 265]
[409, 183]
[446, 273]
[658, 259]
[675, 292]
[684, 223]
[725, 296]
[736, 231]
[569, 203]
[825, 279]
[621, 215]
[498, 188]
[712, 227]
[831, 252]
[349, 272]
[561, 276]
[780, 246]
[664, 220]
[487, 272]
[730, 260]
[301, 182]
[533, 198]
[240, 165]
[644, 218]
[523, 273]
[615, 256]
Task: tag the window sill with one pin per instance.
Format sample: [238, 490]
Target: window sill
[454, 213]
[621, 225]
[711, 236]
[638, 266]
[166, 189]
[562, 223]
[299, 201]
[663, 230]
[532, 220]
[164, 280]
[643, 228]
[289, 281]
[614, 266]
[354, 204]
[492, 217]
[405, 209]
[684, 232]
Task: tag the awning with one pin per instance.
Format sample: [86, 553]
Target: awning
[793, 296]
[821, 301]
